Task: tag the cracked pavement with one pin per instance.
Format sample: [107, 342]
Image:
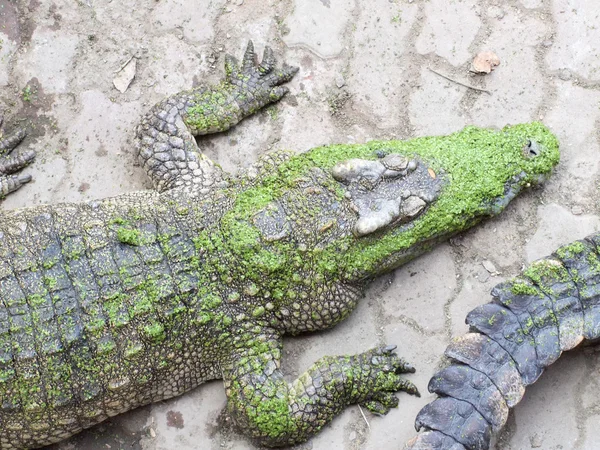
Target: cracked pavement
[364, 74]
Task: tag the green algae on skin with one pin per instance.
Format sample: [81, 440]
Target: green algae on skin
[478, 163]
[570, 250]
[524, 289]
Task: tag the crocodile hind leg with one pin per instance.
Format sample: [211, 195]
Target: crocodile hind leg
[277, 413]
[166, 146]
[10, 164]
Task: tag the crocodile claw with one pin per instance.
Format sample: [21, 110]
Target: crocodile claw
[12, 163]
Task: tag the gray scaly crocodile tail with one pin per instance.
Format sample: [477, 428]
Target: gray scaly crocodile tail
[552, 307]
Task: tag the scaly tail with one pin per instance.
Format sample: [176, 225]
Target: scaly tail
[552, 307]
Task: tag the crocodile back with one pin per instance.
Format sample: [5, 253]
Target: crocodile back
[94, 312]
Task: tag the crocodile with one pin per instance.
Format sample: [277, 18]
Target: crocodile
[552, 307]
[111, 304]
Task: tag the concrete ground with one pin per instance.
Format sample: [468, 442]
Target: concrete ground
[364, 74]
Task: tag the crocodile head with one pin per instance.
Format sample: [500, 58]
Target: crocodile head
[352, 212]
[455, 182]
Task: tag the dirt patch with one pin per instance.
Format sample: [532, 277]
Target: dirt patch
[55, 16]
[9, 20]
[35, 104]
[174, 419]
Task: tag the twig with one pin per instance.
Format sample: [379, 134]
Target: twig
[124, 64]
[364, 417]
[460, 82]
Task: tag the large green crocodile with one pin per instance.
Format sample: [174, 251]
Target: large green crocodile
[112, 304]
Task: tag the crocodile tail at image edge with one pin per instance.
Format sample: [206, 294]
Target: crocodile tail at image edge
[552, 307]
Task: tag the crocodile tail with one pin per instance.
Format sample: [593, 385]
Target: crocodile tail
[552, 307]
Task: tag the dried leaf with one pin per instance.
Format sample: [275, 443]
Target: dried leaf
[431, 173]
[485, 62]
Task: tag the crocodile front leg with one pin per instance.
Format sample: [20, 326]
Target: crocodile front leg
[10, 164]
[166, 146]
[277, 413]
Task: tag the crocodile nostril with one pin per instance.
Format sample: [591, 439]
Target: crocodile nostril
[532, 149]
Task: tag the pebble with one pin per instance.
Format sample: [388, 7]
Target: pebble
[352, 436]
[496, 12]
[565, 74]
[536, 441]
[482, 275]
[577, 210]
[340, 81]
[489, 266]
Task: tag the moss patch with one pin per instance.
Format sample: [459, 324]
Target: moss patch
[128, 236]
[273, 418]
[478, 164]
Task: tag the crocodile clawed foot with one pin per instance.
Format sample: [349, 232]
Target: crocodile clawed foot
[249, 57]
[260, 83]
[386, 368]
[12, 163]
[381, 403]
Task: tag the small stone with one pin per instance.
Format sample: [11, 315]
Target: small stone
[489, 266]
[125, 76]
[238, 2]
[352, 436]
[547, 43]
[536, 441]
[577, 210]
[340, 81]
[496, 12]
[485, 62]
[482, 275]
[565, 74]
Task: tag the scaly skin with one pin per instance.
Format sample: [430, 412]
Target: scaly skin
[9, 163]
[551, 308]
[113, 304]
